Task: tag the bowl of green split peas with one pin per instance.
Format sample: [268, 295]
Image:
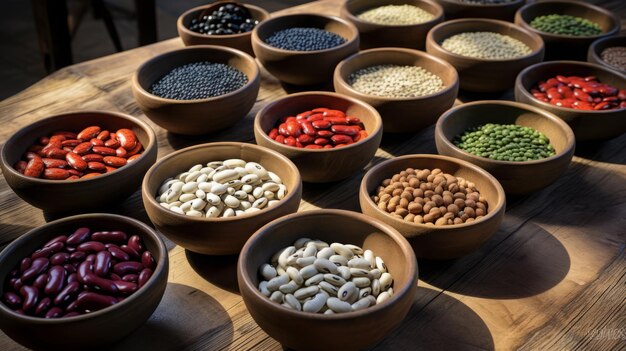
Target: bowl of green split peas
[524, 147]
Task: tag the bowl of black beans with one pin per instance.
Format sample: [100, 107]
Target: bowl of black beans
[197, 90]
[303, 49]
[222, 23]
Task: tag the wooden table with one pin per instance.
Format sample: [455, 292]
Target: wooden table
[552, 277]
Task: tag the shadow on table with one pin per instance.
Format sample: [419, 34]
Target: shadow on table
[185, 316]
[9, 232]
[220, 271]
[609, 151]
[469, 96]
[292, 89]
[242, 131]
[528, 262]
[420, 142]
[437, 321]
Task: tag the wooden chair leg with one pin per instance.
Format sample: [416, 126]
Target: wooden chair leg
[100, 9]
[146, 21]
[54, 36]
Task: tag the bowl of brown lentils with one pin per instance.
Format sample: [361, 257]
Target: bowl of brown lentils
[444, 206]
[609, 52]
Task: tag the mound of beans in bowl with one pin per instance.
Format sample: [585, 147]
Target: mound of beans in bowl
[78, 273]
[430, 197]
[319, 128]
[313, 276]
[581, 93]
[89, 153]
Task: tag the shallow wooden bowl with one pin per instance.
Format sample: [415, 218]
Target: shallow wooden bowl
[239, 41]
[566, 47]
[200, 116]
[594, 54]
[482, 75]
[517, 178]
[82, 194]
[95, 329]
[324, 165]
[303, 67]
[505, 11]
[438, 242]
[401, 115]
[587, 125]
[217, 236]
[313, 331]
[373, 35]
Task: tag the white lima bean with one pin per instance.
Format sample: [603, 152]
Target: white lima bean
[395, 81]
[228, 188]
[486, 45]
[317, 277]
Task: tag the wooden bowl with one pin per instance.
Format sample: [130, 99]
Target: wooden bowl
[401, 115]
[85, 331]
[484, 75]
[81, 194]
[438, 242]
[314, 331]
[217, 236]
[594, 54]
[373, 35]
[200, 116]
[303, 67]
[567, 47]
[456, 9]
[239, 41]
[325, 165]
[517, 178]
[587, 125]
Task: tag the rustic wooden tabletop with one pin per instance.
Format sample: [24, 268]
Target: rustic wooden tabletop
[552, 277]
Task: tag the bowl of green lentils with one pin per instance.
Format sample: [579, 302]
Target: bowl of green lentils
[488, 54]
[524, 147]
[410, 89]
[392, 23]
[567, 27]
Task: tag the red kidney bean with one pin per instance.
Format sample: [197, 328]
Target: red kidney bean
[16, 283]
[56, 280]
[133, 278]
[341, 139]
[579, 93]
[69, 268]
[91, 258]
[114, 161]
[54, 163]
[93, 158]
[127, 138]
[313, 146]
[12, 300]
[83, 148]
[144, 276]
[134, 242]
[127, 267]
[25, 264]
[55, 174]
[55, 153]
[30, 295]
[70, 290]
[34, 167]
[325, 134]
[91, 301]
[133, 158]
[99, 283]
[47, 250]
[112, 143]
[78, 256]
[43, 306]
[54, 312]
[280, 139]
[85, 268]
[72, 277]
[321, 124]
[109, 236]
[38, 266]
[114, 276]
[305, 139]
[91, 246]
[40, 281]
[121, 152]
[78, 237]
[118, 253]
[102, 264]
[147, 260]
[134, 151]
[20, 166]
[103, 135]
[96, 142]
[76, 161]
[316, 117]
[89, 132]
[125, 287]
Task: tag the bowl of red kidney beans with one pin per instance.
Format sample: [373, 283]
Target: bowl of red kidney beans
[589, 97]
[63, 282]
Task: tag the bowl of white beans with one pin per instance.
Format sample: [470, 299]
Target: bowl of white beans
[327, 279]
[210, 198]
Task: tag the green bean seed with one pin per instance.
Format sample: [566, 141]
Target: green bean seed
[566, 25]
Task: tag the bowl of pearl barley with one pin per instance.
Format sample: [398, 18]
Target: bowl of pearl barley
[488, 54]
[410, 89]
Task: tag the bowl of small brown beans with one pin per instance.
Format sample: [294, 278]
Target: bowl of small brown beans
[590, 97]
[62, 163]
[609, 52]
[62, 282]
[445, 207]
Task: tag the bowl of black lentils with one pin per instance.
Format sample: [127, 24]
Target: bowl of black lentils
[197, 90]
[609, 52]
[567, 27]
[494, 9]
[222, 23]
[524, 147]
[303, 49]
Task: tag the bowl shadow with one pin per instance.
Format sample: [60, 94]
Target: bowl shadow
[421, 142]
[220, 271]
[185, 317]
[470, 96]
[608, 151]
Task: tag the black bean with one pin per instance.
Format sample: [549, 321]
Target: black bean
[304, 39]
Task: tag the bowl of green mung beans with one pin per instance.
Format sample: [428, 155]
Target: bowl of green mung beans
[567, 27]
[488, 54]
[524, 147]
[495, 9]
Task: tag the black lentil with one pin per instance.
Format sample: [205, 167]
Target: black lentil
[227, 19]
[199, 80]
[304, 39]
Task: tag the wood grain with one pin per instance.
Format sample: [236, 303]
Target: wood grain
[552, 278]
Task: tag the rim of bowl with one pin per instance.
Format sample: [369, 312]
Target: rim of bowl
[593, 49]
[415, 53]
[569, 134]
[104, 216]
[384, 228]
[47, 120]
[491, 213]
[179, 22]
[290, 194]
[370, 135]
[269, 47]
[514, 2]
[613, 30]
[438, 16]
[523, 90]
[140, 89]
[483, 21]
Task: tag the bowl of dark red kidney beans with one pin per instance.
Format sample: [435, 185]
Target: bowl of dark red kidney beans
[81, 282]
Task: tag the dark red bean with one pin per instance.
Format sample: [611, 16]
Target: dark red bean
[102, 264]
[91, 258]
[127, 267]
[40, 281]
[118, 253]
[54, 312]
[79, 236]
[114, 276]
[107, 237]
[84, 268]
[70, 290]
[30, 294]
[347, 130]
[91, 301]
[43, 306]
[69, 268]
[99, 283]
[293, 129]
[144, 276]
[25, 264]
[133, 278]
[38, 266]
[321, 124]
[147, 260]
[16, 283]
[12, 300]
[91, 246]
[78, 256]
[59, 258]
[73, 277]
[125, 287]
[341, 139]
[43, 252]
[59, 239]
[134, 242]
[56, 280]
